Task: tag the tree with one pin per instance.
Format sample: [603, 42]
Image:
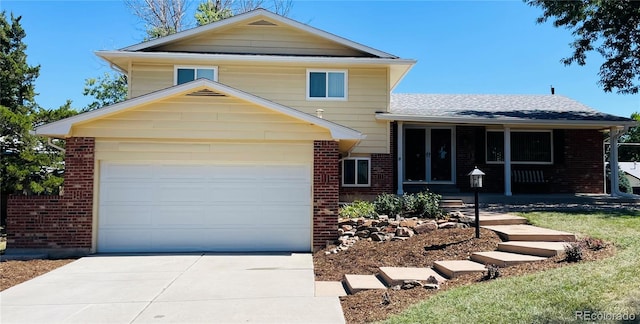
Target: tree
[610, 28]
[210, 11]
[106, 90]
[630, 152]
[281, 7]
[161, 17]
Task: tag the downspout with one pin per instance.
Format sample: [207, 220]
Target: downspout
[50, 143]
[613, 163]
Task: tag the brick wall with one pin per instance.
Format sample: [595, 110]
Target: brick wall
[326, 182]
[383, 174]
[57, 222]
[577, 163]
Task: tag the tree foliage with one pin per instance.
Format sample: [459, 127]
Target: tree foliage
[161, 17]
[630, 152]
[106, 90]
[210, 11]
[610, 28]
[27, 164]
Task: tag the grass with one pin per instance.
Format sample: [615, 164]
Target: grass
[611, 285]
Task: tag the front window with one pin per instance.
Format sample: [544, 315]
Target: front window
[531, 147]
[327, 85]
[356, 172]
[184, 74]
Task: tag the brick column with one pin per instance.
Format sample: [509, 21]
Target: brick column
[62, 223]
[326, 184]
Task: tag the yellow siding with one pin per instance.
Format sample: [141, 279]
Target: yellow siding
[202, 118]
[146, 78]
[368, 93]
[111, 149]
[244, 39]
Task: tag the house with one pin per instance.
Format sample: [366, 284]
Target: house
[241, 135]
[632, 173]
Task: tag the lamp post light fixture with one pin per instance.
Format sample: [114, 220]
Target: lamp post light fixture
[475, 177]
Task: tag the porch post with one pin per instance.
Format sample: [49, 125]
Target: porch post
[507, 161]
[400, 149]
[614, 133]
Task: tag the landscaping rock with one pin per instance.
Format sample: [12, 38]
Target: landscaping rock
[363, 234]
[448, 225]
[398, 238]
[408, 223]
[349, 233]
[404, 232]
[346, 227]
[431, 286]
[410, 284]
[426, 227]
[378, 237]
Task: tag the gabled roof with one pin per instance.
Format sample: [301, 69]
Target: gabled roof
[498, 109]
[203, 87]
[256, 14]
[631, 168]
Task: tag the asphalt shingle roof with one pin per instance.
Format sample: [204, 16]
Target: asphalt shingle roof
[514, 107]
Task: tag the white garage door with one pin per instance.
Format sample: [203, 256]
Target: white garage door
[176, 208]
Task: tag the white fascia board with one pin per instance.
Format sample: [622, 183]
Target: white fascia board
[505, 121]
[107, 55]
[252, 15]
[62, 128]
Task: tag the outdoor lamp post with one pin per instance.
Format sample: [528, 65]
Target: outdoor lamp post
[475, 177]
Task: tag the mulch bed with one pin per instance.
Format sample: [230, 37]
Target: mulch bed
[365, 257]
[16, 272]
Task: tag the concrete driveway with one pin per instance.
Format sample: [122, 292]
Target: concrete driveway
[207, 288]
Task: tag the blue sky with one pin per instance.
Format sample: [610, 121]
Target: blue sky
[461, 46]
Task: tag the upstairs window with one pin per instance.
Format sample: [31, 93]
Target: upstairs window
[527, 147]
[356, 172]
[327, 84]
[184, 74]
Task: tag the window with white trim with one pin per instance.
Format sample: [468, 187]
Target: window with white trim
[184, 74]
[356, 172]
[527, 147]
[327, 84]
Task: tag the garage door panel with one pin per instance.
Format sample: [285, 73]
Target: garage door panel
[127, 172]
[230, 192]
[125, 216]
[179, 216]
[122, 192]
[123, 240]
[184, 193]
[181, 172]
[159, 207]
[278, 193]
[286, 173]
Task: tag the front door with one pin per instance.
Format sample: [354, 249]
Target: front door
[428, 155]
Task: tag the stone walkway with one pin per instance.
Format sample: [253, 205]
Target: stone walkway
[522, 243]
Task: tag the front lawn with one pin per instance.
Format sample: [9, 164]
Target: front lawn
[610, 286]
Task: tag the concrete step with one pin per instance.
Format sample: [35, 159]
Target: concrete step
[543, 249]
[397, 275]
[503, 259]
[454, 268]
[452, 203]
[329, 289]
[356, 283]
[530, 233]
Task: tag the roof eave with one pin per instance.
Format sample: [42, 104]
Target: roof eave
[251, 15]
[505, 121]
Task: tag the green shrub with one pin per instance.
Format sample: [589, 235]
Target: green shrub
[358, 209]
[427, 204]
[388, 204]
